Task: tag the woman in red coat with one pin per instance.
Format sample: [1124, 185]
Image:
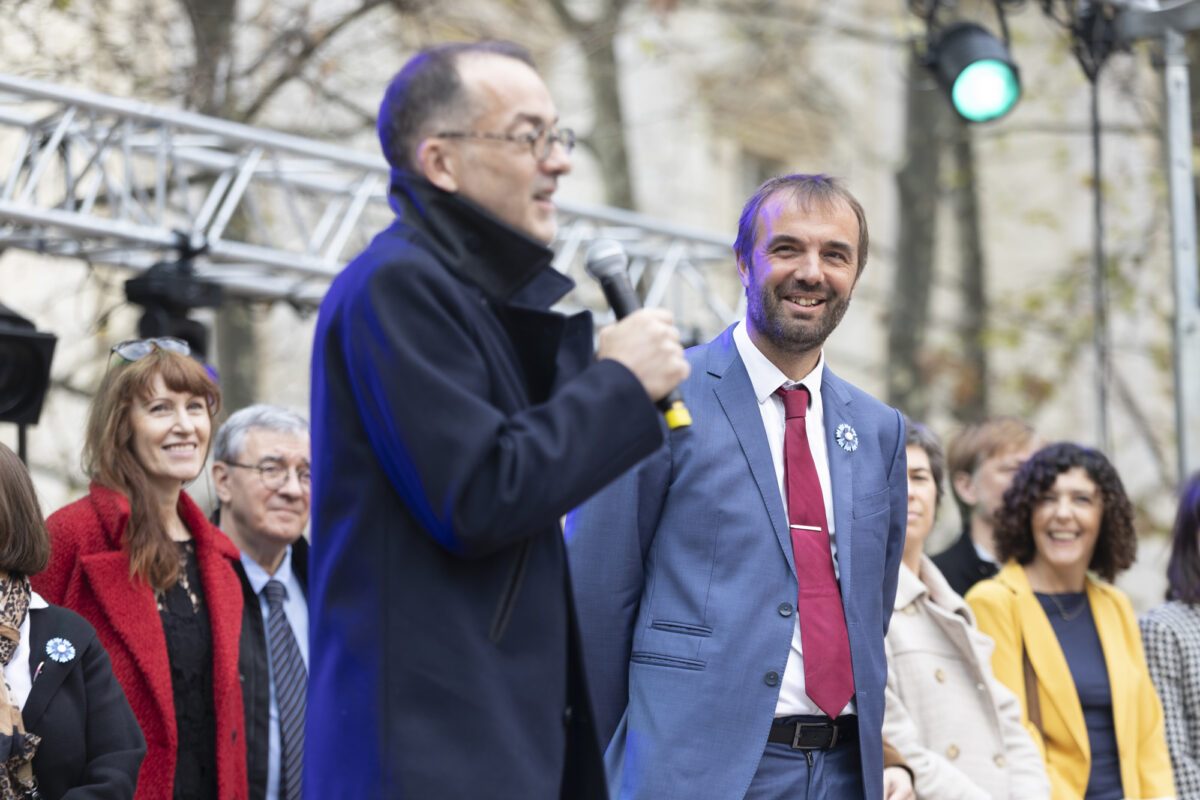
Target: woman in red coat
[137, 558]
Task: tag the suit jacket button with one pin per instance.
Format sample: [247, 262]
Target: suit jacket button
[568, 713]
[999, 759]
[785, 609]
[952, 752]
[771, 679]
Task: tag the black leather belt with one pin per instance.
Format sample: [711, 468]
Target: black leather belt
[814, 733]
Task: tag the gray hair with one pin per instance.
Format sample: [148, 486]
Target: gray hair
[231, 438]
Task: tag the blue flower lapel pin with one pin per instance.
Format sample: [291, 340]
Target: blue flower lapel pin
[60, 650]
[846, 437]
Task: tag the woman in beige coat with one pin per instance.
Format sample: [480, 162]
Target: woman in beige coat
[958, 728]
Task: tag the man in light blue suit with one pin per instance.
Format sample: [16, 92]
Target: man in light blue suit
[704, 645]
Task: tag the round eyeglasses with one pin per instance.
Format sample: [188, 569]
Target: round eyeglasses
[274, 475]
[540, 142]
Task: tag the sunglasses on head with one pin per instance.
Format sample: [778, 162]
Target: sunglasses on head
[135, 349]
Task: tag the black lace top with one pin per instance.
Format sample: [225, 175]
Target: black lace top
[189, 648]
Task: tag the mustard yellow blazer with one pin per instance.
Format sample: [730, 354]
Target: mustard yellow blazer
[1007, 610]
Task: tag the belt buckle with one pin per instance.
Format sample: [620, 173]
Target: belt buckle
[801, 726]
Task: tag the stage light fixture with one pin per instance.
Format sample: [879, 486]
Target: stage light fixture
[168, 291]
[25, 355]
[975, 68]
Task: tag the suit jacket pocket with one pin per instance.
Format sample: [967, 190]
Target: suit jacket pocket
[685, 628]
[660, 660]
[872, 503]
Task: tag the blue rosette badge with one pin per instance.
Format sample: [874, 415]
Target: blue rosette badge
[60, 650]
[846, 437]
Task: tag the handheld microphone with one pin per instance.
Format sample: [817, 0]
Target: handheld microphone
[607, 263]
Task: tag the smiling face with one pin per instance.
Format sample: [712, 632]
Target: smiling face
[1066, 523]
[504, 177]
[170, 435]
[800, 277]
[263, 521]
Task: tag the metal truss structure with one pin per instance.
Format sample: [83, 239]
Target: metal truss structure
[268, 215]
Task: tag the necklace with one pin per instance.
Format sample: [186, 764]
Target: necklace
[1062, 611]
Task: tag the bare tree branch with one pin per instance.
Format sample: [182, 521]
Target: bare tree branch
[312, 43]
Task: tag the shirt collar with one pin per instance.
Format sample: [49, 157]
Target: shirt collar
[258, 576]
[765, 377]
[984, 555]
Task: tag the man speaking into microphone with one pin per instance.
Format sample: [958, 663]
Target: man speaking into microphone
[455, 420]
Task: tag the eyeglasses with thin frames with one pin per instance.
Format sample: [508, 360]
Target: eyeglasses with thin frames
[274, 475]
[540, 142]
[136, 349]
[132, 350]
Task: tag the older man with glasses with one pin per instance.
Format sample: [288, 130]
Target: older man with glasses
[262, 477]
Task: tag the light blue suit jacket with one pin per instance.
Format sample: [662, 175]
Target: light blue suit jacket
[682, 568]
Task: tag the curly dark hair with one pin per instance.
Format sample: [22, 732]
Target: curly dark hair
[1116, 546]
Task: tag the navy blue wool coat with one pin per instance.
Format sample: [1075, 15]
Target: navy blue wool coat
[456, 419]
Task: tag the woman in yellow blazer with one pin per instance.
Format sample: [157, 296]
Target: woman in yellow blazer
[1067, 643]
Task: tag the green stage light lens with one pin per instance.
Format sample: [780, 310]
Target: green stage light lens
[985, 90]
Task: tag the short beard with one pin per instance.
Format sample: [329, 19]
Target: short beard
[763, 309]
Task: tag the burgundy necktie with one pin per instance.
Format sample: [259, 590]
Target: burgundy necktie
[828, 679]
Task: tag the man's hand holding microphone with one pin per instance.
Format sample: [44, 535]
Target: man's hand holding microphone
[643, 339]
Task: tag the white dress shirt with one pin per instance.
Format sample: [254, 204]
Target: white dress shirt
[16, 672]
[296, 609]
[765, 377]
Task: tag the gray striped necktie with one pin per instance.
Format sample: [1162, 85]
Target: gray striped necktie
[291, 684]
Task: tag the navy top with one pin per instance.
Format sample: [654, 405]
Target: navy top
[1071, 617]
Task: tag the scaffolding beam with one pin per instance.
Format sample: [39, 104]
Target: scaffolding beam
[273, 216]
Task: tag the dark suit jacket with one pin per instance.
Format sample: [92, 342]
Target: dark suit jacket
[455, 419]
[91, 745]
[255, 674]
[961, 565]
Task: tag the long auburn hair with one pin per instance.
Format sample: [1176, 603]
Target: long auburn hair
[109, 458]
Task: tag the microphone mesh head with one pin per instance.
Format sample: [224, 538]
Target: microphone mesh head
[605, 258]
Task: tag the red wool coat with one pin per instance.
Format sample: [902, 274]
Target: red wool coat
[89, 574]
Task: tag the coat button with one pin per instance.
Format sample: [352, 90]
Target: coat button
[999, 759]
[980, 687]
[952, 752]
[568, 714]
[771, 679]
[785, 609]
[939, 675]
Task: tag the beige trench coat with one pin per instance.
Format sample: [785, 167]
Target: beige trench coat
[958, 728]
